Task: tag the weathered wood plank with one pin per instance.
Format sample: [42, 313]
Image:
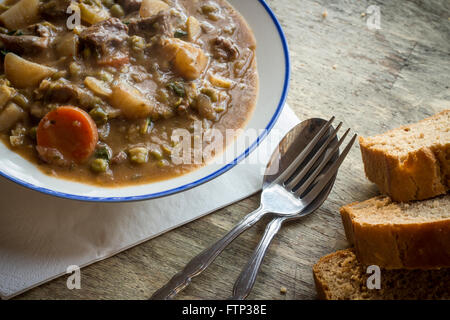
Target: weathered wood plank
[372, 80]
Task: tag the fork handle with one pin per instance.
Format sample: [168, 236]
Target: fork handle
[199, 263]
[247, 278]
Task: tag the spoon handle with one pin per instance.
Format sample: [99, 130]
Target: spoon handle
[199, 263]
[247, 278]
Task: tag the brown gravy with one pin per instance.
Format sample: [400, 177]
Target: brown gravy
[133, 147]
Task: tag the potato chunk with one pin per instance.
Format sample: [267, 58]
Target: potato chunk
[20, 15]
[6, 93]
[67, 45]
[130, 101]
[220, 82]
[193, 28]
[10, 116]
[23, 73]
[189, 60]
[99, 87]
[93, 14]
[152, 7]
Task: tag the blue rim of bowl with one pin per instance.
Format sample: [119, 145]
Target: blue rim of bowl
[204, 179]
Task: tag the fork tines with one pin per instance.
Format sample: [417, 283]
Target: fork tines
[311, 171]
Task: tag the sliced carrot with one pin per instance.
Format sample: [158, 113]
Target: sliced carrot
[115, 61]
[69, 130]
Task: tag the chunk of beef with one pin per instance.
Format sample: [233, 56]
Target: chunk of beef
[225, 49]
[54, 8]
[106, 34]
[130, 5]
[43, 29]
[33, 39]
[153, 26]
[119, 158]
[109, 39]
[24, 44]
[204, 107]
[64, 92]
[53, 156]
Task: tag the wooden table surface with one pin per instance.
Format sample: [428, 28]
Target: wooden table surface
[373, 80]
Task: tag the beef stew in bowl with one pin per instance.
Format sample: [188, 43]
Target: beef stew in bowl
[98, 101]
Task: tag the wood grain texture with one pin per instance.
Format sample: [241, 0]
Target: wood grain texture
[372, 80]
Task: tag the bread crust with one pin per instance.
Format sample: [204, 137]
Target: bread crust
[418, 177]
[340, 276]
[323, 292]
[399, 246]
[320, 287]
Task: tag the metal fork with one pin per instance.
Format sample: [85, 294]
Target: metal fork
[298, 188]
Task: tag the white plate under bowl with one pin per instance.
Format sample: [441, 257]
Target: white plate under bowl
[274, 71]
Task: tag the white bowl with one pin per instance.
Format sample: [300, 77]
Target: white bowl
[274, 71]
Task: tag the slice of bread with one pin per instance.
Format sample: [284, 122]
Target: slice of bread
[411, 162]
[397, 235]
[340, 276]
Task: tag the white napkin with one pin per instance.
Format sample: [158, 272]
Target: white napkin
[40, 236]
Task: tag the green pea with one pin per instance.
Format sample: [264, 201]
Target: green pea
[163, 163]
[99, 115]
[32, 133]
[211, 93]
[99, 165]
[21, 100]
[108, 3]
[138, 155]
[117, 11]
[157, 154]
